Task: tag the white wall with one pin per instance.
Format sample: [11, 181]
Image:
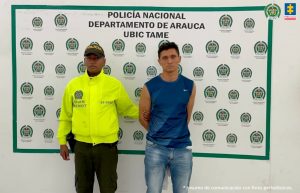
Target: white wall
[47, 173]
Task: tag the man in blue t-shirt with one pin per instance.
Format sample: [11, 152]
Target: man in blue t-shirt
[165, 106]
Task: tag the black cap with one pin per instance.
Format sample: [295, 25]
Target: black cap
[94, 49]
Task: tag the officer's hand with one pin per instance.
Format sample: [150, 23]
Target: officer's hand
[64, 152]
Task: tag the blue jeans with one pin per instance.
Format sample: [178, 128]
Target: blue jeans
[158, 158]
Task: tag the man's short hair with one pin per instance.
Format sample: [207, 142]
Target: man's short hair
[166, 46]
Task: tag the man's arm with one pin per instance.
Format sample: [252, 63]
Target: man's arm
[144, 106]
[191, 103]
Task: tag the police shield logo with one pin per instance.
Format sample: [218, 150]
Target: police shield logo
[222, 115]
[49, 91]
[26, 133]
[48, 135]
[138, 137]
[129, 69]
[179, 69]
[118, 46]
[210, 93]
[137, 92]
[212, 48]
[223, 71]
[58, 113]
[26, 89]
[225, 22]
[187, 50]
[26, 44]
[78, 95]
[38, 67]
[72, 45]
[246, 74]
[140, 48]
[235, 50]
[249, 25]
[61, 21]
[39, 111]
[245, 119]
[260, 48]
[162, 42]
[60, 70]
[37, 23]
[106, 69]
[231, 139]
[151, 71]
[198, 117]
[198, 73]
[208, 136]
[48, 46]
[233, 96]
[256, 138]
[272, 11]
[81, 68]
[258, 94]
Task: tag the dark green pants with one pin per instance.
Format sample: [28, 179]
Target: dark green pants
[101, 159]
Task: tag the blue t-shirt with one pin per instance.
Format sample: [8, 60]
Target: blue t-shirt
[168, 122]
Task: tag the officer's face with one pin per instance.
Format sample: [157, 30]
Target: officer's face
[94, 64]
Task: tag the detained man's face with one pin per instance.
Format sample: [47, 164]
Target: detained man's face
[169, 60]
[94, 64]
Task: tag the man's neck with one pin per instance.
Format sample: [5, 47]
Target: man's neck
[93, 74]
[169, 77]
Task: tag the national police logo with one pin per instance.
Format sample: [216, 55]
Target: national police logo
[179, 69]
[129, 69]
[208, 136]
[106, 69]
[120, 133]
[187, 49]
[26, 89]
[38, 67]
[198, 73]
[137, 92]
[249, 25]
[151, 71]
[95, 44]
[81, 67]
[162, 42]
[198, 117]
[140, 48]
[210, 93]
[225, 22]
[260, 48]
[26, 44]
[235, 50]
[118, 46]
[231, 139]
[245, 118]
[72, 45]
[61, 21]
[258, 94]
[256, 137]
[272, 11]
[78, 94]
[222, 115]
[212, 48]
[58, 113]
[60, 70]
[49, 91]
[246, 74]
[48, 46]
[48, 135]
[233, 95]
[138, 137]
[39, 111]
[26, 133]
[223, 71]
[37, 23]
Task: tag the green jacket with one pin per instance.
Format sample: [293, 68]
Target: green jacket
[90, 108]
